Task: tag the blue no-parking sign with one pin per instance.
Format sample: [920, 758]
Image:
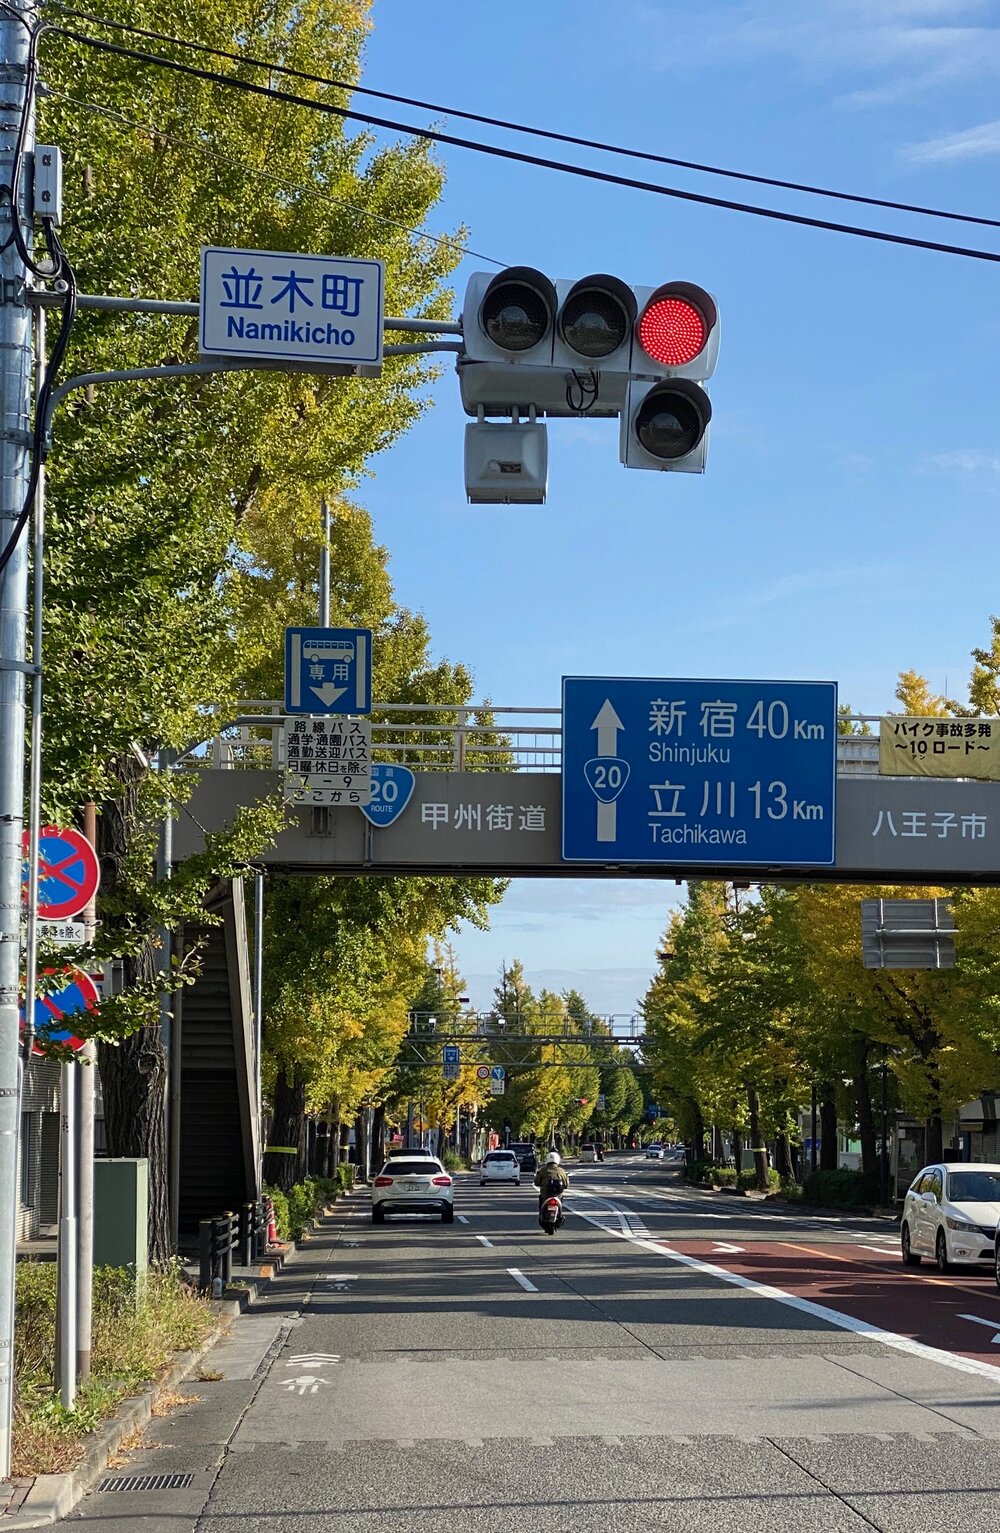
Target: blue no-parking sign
[72, 993]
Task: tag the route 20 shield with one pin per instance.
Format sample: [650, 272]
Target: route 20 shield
[392, 789]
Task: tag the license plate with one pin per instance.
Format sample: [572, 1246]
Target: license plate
[412, 1187]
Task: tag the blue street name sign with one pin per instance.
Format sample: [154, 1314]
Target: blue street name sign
[392, 789]
[319, 313]
[450, 1058]
[328, 670]
[714, 772]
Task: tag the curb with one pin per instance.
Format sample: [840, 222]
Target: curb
[50, 1497]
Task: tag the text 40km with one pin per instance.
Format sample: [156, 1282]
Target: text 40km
[773, 720]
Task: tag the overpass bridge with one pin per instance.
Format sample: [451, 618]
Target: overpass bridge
[488, 801]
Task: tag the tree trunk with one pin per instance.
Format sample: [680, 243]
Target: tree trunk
[361, 1143]
[935, 1136]
[866, 1124]
[133, 1083]
[288, 1128]
[827, 1128]
[378, 1138]
[783, 1158]
[759, 1152]
[738, 1149]
[335, 1156]
[698, 1132]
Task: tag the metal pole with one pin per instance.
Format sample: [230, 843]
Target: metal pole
[164, 859]
[258, 1017]
[884, 1169]
[86, 1068]
[324, 569]
[15, 439]
[66, 1255]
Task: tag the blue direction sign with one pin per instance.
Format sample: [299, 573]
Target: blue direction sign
[450, 1059]
[392, 789]
[328, 670]
[323, 313]
[715, 772]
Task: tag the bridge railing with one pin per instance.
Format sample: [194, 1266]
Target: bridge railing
[436, 737]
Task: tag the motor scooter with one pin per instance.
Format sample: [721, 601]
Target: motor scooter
[551, 1215]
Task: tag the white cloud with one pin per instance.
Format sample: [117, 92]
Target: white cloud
[966, 462]
[912, 45]
[970, 143]
[788, 589]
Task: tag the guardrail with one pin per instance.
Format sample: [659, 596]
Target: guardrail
[432, 737]
[225, 1233]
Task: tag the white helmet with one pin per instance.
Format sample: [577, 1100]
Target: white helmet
[552, 1158]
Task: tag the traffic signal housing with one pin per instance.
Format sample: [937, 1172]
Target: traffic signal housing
[534, 346]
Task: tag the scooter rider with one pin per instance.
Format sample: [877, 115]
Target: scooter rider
[550, 1179]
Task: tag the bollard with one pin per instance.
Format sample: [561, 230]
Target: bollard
[226, 1226]
[246, 1233]
[206, 1253]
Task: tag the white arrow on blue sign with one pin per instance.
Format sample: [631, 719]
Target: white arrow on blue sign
[392, 789]
[450, 1059]
[328, 670]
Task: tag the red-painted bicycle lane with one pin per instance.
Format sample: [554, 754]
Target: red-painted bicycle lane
[870, 1287]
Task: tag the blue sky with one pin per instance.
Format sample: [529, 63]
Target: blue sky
[846, 527]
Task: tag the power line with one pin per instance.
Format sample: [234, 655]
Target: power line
[527, 129]
[520, 157]
[266, 175]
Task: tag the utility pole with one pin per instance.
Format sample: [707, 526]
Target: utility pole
[15, 439]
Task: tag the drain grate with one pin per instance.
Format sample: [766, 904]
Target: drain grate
[147, 1482]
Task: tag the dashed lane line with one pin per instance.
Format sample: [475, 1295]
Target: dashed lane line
[519, 1277]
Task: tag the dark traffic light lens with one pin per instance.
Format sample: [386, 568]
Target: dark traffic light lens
[670, 424]
[517, 309]
[594, 325]
[597, 316]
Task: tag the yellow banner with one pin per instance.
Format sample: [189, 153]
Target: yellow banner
[940, 748]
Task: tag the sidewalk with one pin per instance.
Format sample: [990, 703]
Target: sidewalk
[184, 1436]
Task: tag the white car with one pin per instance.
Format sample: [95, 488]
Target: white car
[500, 1166]
[950, 1213]
[419, 1185]
[654, 1152]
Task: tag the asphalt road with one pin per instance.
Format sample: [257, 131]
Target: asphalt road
[670, 1360]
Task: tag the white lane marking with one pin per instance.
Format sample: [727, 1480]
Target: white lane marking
[627, 1220]
[519, 1277]
[879, 1250]
[305, 1384]
[461, 1219]
[724, 1246]
[807, 1307]
[978, 1320]
[485, 1241]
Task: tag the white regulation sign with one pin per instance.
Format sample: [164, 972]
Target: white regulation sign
[328, 760]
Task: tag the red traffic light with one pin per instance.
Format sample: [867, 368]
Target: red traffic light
[676, 323]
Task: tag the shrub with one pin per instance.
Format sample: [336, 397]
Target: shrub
[454, 1162]
[748, 1180]
[700, 1171]
[137, 1328]
[841, 1189]
[345, 1177]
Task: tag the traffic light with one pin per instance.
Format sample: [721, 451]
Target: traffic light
[664, 424]
[594, 346]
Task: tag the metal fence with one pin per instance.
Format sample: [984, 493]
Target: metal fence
[482, 737]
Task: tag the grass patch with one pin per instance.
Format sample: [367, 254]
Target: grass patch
[135, 1335]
